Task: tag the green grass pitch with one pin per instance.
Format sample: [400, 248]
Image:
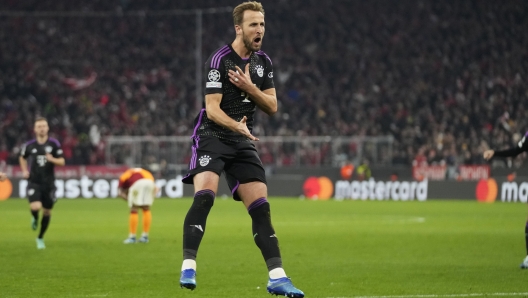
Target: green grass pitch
[329, 249]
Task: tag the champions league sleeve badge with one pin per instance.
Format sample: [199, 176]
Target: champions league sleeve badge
[214, 78]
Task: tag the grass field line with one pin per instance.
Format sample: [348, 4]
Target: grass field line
[441, 295]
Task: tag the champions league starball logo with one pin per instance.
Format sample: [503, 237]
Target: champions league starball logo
[214, 75]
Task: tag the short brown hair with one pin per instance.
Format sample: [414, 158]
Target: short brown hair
[40, 118]
[238, 12]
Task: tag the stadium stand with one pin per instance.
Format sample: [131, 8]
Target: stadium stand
[447, 79]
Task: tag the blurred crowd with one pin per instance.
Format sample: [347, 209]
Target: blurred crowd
[447, 79]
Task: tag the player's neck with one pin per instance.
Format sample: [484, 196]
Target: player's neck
[42, 140]
[240, 49]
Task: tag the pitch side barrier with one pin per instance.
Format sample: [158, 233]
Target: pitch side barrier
[485, 190]
[304, 186]
[97, 188]
[101, 188]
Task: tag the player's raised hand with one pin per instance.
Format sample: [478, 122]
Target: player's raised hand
[242, 129]
[488, 154]
[240, 78]
[3, 176]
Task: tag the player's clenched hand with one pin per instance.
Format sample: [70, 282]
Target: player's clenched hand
[240, 78]
[488, 154]
[25, 174]
[49, 157]
[242, 129]
[3, 176]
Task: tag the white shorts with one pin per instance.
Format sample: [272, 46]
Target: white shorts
[141, 193]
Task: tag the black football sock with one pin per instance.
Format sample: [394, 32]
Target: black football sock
[194, 224]
[526, 237]
[35, 214]
[44, 225]
[264, 234]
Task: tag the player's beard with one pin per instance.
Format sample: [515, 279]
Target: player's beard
[248, 43]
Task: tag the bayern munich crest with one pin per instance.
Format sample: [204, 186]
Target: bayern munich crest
[204, 160]
[260, 70]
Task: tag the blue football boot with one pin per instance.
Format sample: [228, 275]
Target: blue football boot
[284, 287]
[188, 279]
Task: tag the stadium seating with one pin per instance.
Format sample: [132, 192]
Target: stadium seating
[446, 78]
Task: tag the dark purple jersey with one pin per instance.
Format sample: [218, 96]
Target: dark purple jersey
[40, 170]
[235, 103]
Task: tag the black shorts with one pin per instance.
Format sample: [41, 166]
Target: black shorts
[42, 193]
[239, 161]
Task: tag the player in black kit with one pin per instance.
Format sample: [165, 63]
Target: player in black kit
[521, 147]
[239, 79]
[43, 153]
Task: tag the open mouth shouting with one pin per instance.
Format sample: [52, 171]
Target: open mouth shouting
[257, 42]
[253, 44]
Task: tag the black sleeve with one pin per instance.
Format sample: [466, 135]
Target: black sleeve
[215, 75]
[57, 151]
[521, 147]
[24, 152]
[268, 76]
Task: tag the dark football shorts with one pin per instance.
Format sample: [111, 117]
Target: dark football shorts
[239, 161]
[43, 193]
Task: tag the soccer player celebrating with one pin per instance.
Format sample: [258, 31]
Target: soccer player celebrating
[44, 153]
[522, 146]
[239, 79]
[138, 188]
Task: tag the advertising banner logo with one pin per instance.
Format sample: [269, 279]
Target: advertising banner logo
[381, 190]
[429, 172]
[475, 173]
[318, 188]
[514, 192]
[486, 190]
[88, 188]
[510, 191]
